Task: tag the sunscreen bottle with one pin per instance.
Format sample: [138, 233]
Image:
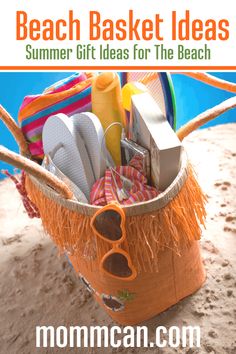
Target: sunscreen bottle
[107, 106]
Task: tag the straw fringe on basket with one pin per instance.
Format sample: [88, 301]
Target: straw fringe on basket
[173, 226]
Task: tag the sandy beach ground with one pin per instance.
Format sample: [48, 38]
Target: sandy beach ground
[37, 287]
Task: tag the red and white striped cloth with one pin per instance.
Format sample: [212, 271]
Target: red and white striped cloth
[104, 190]
[29, 206]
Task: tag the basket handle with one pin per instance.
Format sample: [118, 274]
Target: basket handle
[15, 130]
[200, 76]
[211, 113]
[205, 117]
[35, 170]
[211, 80]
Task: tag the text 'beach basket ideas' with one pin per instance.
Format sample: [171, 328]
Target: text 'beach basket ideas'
[137, 260]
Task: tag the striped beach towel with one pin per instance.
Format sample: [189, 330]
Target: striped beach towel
[71, 95]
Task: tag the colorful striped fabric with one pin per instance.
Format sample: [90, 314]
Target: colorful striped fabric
[71, 95]
[104, 190]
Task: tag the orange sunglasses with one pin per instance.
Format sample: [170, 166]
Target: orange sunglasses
[108, 223]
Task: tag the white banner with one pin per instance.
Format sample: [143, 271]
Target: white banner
[131, 34]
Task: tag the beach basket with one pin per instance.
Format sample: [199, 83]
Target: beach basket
[161, 234]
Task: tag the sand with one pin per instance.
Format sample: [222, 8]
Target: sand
[39, 287]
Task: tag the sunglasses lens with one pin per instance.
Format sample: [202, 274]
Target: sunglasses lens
[112, 303]
[117, 265]
[108, 225]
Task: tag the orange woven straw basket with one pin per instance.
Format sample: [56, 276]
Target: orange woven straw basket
[159, 243]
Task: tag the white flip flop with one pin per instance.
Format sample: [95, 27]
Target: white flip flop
[49, 165]
[90, 129]
[72, 159]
